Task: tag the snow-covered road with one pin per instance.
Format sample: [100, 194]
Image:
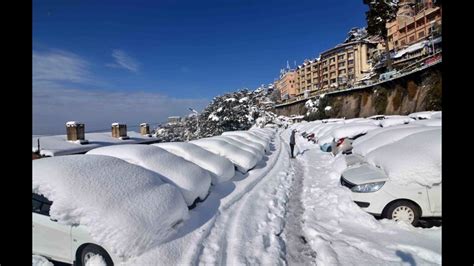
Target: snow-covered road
[291, 211]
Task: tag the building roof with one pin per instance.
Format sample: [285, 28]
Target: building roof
[410, 49]
[58, 145]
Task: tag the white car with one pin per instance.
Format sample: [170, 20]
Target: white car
[398, 180]
[377, 194]
[64, 243]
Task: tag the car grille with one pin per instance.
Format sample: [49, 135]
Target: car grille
[346, 183]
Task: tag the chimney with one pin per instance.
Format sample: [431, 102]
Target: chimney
[145, 129]
[119, 130]
[76, 132]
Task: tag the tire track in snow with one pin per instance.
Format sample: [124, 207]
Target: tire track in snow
[249, 231]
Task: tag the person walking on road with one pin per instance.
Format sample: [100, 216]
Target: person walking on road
[292, 142]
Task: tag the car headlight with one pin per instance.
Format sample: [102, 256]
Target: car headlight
[369, 187]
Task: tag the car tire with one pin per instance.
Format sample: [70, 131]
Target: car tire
[91, 250]
[403, 210]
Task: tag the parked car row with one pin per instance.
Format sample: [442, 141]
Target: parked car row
[131, 197]
[393, 165]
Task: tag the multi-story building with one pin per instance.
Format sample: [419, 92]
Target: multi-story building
[415, 21]
[342, 65]
[286, 84]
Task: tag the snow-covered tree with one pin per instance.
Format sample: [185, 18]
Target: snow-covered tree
[232, 111]
[380, 12]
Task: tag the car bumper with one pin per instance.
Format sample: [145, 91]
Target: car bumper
[372, 202]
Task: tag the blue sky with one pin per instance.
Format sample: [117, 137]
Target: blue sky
[175, 53]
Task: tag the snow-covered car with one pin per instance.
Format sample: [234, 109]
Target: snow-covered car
[61, 242]
[345, 135]
[401, 180]
[425, 115]
[193, 181]
[103, 205]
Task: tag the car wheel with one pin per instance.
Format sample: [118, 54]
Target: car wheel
[91, 250]
[403, 211]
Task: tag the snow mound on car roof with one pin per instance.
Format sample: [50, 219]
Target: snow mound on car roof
[243, 145]
[368, 143]
[395, 120]
[124, 207]
[192, 180]
[242, 159]
[352, 130]
[413, 159]
[221, 168]
[250, 136]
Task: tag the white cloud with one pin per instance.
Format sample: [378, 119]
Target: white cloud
[122, 60]
[57, 65]
[55, 101]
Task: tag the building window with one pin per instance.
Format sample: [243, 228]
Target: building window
[342, 71]
[341, 64]
[332, 60]
[332, 67]
[350, 62]
[402, 42]
[421, 34]
[333, 81]
[412, 38]
[341, 57]
[350, 70]
[350, 55]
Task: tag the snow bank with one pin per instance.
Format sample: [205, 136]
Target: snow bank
[368, 143]
[41, 261]
[221, 168]
[193, 181]
[124, 207]
[352, 130]
[96, 260]
[413, 159]
[242, 159]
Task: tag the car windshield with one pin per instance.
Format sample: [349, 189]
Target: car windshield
[41, 204]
